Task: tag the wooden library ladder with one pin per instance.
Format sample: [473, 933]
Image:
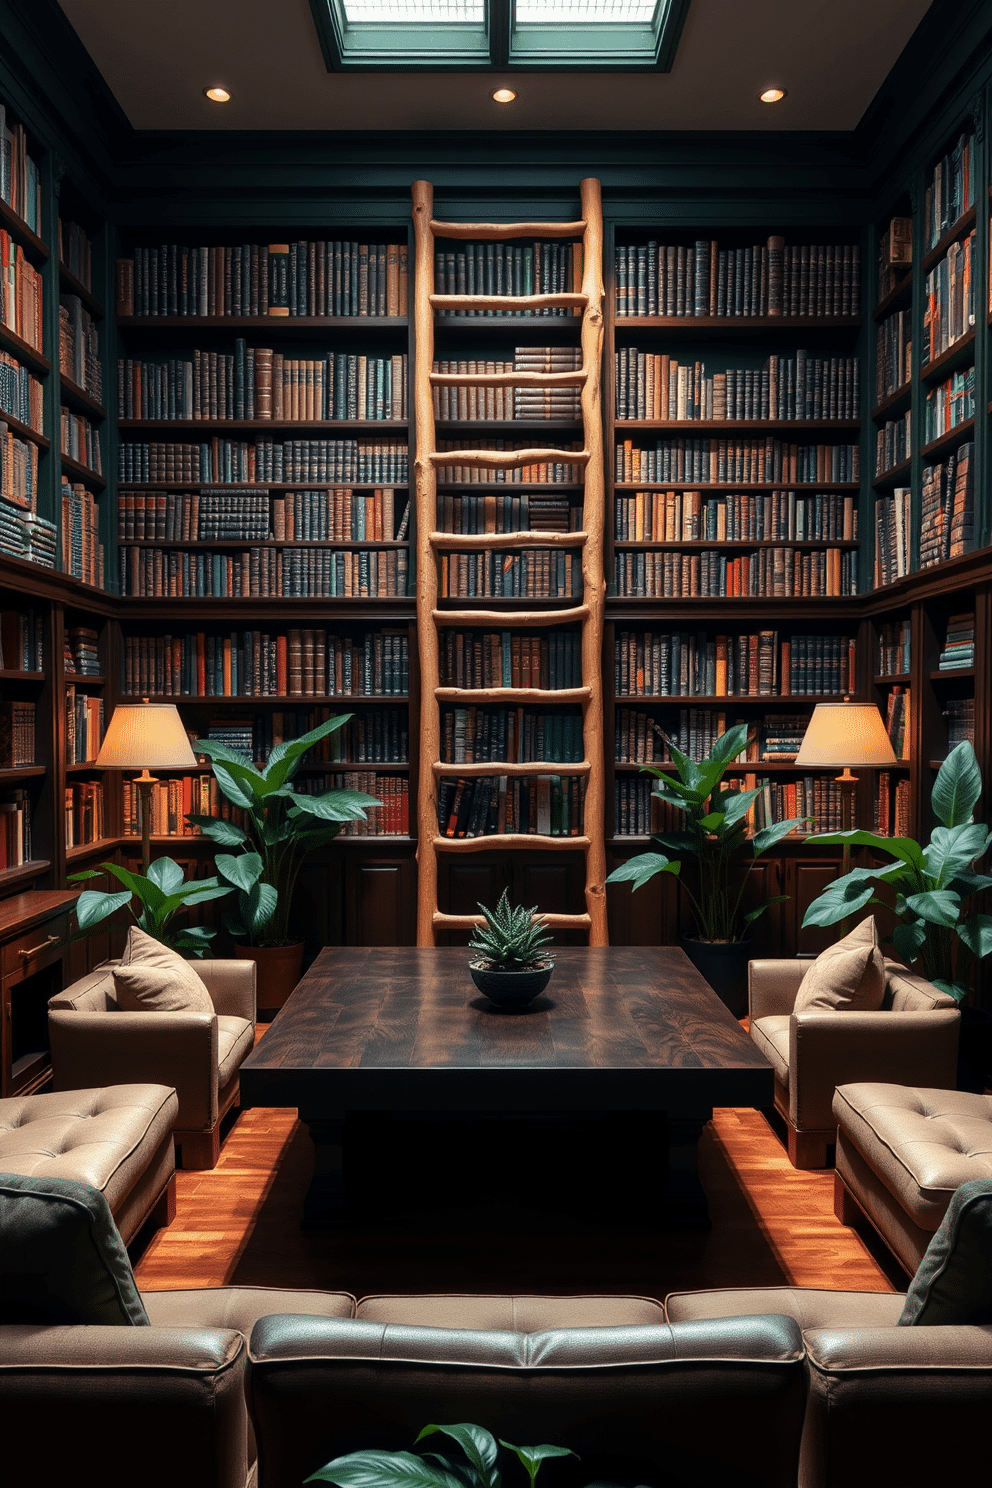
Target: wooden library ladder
[589, 614]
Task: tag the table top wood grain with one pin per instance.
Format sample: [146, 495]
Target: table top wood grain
[619, 1028]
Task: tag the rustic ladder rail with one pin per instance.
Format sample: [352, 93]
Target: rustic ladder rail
[588, 614]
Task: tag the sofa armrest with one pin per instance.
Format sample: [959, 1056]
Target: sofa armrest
[155, 1406]
[178, 1049]
[772, 986]
[231, 985]
[827, 1049]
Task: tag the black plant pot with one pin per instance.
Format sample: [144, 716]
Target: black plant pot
[975, 1049]
[511, 989]
[724, 965]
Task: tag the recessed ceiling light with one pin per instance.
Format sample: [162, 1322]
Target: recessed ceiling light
[773, 95]
[217, 95]
[504, 95]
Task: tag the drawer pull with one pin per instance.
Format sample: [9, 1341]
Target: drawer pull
[51, 940]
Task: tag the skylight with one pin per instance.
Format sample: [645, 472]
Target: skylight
[503, 35]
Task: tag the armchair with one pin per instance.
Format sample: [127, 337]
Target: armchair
[911, 1040]
[96, 1043]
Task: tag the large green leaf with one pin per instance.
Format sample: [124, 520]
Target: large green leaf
[224, 833]
[215, 750]
[970, 883]
[976, 932]
[532, 1457]
[729, 745]
[250, 781]
[739, 803]
[373, 1469]
[688, 770]
[768, 836]
[679, 842]
[903, 848]
[843, 897]
[957, 787]
[755, 914]
[285, 756]
[258, 906]
[952, 850]
[908, 939]
[336, 805]
[637, 871]
[242, 869]
[937, 906]
[93, 906]
[166, 873]
[957, 990]
[478, 1445]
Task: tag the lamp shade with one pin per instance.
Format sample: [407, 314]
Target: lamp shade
[845, 735]
[145, 736]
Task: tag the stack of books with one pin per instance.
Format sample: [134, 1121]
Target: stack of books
[959, 644]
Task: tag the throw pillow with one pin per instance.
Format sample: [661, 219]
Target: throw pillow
[953, 1282]
[152, 978]
[848, 976]
[62, 1259]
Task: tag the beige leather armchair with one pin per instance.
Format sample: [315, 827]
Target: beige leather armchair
[96, 1043]
[911, 1040]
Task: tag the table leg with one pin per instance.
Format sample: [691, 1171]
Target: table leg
[684, 1204]
[325, 1205]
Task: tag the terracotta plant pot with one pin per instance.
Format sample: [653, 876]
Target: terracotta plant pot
[277, 971]
[511, 989]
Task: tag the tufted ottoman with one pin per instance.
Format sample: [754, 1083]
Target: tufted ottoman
[119, 1139]
[901, 1153]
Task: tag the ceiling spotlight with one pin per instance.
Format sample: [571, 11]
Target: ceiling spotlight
[773, 95]
[504, 95]
[217, 95]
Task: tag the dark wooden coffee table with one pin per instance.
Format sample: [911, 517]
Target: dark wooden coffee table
[620, 1029]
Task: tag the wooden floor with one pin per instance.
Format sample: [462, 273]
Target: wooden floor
[772, 1225]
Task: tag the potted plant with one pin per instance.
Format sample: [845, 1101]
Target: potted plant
[509, 965]
[282, 827]
[714, 839]
[475, 1467]
[161, 893]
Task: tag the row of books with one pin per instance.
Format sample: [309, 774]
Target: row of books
[336, 514]
[895, 254]
[81, 651]
[83, 816]
[893, 516]
[950, 191]
[79, 346]
[22, 640]
[776, 516]
[542, 473]
[535, 573]
[541, 511]
[15, 829]
[19, 459]
[83, 726]
[638, 811]
[20, 178]
[894, 647]
[818, 802]
[551, 660]
[300, 662]
[21, 393]
[256, 382]
[893, 442]
[759, 664]
[17, 733]
[80, 440]
[948, 404]
[491, 805]
[378, 736]
[892, 805]
[390, 819]
[534, 403]
[292, 573]
[516, 735]
[958, 649]
[76, 252]
[893, 354]
[517, 268]
[947, 507]
[727, 461]
[335, 461]
[329, 277]
[949, 299]
[656, 386]
[770, 572]
[21, 293]
[768, 278]
[23, 534]
[171, 801]
[960, 722]
[639, 738]
[82, 550]
[897, 720]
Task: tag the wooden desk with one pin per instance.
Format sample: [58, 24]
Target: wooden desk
[34, 937]
[620, 1029]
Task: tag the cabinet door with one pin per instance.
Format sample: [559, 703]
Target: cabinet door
[647, 917]
[380, 900]
[805, 879]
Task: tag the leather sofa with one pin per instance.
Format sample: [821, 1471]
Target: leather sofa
[95, 1042]
[911, 1040]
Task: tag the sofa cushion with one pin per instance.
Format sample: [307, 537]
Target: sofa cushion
[812, 1307]
[953, 1282]
[151, 977]
[848, 976]
[771, 1034]
[235, 1037]
[514, 1314]
[240, 1307]
[61, 1257]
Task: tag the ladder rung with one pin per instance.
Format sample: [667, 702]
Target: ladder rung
[509, 459]
[499, 231]
[506, 619]
[495, 768]
[472, 695]
[552, 921]
[509, 379]
[528, 539]
[564, 299]
[507, 840]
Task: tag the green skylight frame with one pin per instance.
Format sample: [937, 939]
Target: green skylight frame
[488, 36]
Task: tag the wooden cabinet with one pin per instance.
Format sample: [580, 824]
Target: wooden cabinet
[34, 937]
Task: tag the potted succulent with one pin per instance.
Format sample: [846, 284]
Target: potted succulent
[281, 828]
[509, 964]
[714, 839]
[161, 894]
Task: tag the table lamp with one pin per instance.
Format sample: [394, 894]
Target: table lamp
[145, 736]
[845, 735]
